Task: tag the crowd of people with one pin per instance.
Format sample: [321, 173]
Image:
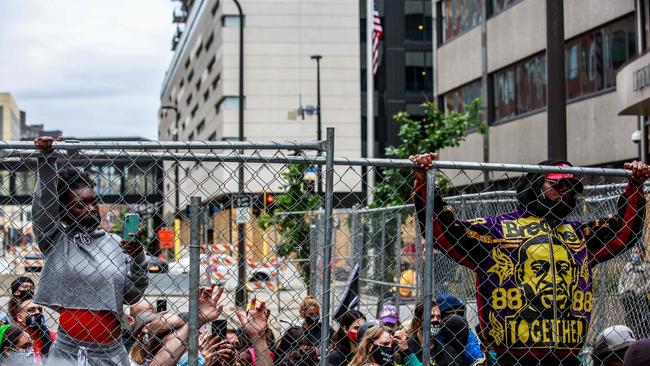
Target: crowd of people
[534, 290]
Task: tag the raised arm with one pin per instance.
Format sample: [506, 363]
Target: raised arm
[608, 238]
[45, 202]
[464, 241]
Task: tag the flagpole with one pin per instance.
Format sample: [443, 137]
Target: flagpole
[370, 96]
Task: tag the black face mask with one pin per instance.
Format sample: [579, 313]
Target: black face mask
[555, 210]
[382, 355]
[312, 320]
[25, 294]
[36, 321]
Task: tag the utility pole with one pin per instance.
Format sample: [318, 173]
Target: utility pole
[556, 86]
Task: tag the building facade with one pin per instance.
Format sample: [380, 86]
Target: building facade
[10, 116]
[633, 81]
[405, 77]
[480, 52]
[200, 89]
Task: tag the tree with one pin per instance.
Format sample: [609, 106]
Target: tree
[435, 131]
[294, 228]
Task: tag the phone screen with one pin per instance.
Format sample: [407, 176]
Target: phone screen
[219, 328]
[161, 305]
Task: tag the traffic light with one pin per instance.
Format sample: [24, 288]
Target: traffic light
[269, 203]
[263, 203]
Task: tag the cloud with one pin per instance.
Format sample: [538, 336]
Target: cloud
[88, 67]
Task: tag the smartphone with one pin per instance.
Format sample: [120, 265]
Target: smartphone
[161, 305]
[219, 327]
[131, 225]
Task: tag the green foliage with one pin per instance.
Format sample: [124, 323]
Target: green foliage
[294, 228]
[437, 130]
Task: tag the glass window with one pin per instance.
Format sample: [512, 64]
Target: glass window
[593, 58]
[418, 20]
[504, 94]
[25, 182]
[107, 179]
[455, 100]
[139, 180]
[4, 183]
[530, 84]
[459, 16]
[619, 46]
[419, 72]
[499, 6]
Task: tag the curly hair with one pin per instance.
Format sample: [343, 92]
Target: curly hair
[11, 337]
[308, 302]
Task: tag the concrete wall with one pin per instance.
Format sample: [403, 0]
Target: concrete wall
[461, 61]
[9, 118]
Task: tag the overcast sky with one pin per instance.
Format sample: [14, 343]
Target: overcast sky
[88, 67]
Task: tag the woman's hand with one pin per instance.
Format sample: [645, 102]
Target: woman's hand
[640, 172]
[133, 247]
[219, 353]
[44, 143]
[401, 340]
[209, 309]
[256, 321]
[422, 163]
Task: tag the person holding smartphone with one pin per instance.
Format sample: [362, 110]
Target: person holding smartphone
[89, 274]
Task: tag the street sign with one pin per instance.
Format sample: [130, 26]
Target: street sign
[242, 201]
[166, 239]
[242, 215]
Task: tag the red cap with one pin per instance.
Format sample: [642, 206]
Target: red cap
[558, 176]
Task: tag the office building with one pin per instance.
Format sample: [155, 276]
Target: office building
[9, 118]
[405, 76]
[280, 37]
[510, 73]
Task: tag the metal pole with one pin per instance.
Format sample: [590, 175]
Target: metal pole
[381, 271]
[370, 96]
[484, 90]
[319, 121]
[240, 295]
[428, 266]
[555, 92]
[176, 171]
[195, 238]
[327, 247]
[398, 255]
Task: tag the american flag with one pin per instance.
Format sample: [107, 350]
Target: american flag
[377, 34]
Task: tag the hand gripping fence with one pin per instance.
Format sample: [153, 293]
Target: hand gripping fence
[479, 271]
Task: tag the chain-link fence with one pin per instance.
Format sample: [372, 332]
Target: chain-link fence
[478, 270]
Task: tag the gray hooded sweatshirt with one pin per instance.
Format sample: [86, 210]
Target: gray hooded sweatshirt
[83, 270]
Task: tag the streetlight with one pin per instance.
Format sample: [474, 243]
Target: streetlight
[318, 114]
[175, 133]
[240, 294]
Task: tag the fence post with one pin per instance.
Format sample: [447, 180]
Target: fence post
[357, 238]
[419, 278]
[327, 247]
[195, 238]
[398, 257]
[428, 266]
[381, 270]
